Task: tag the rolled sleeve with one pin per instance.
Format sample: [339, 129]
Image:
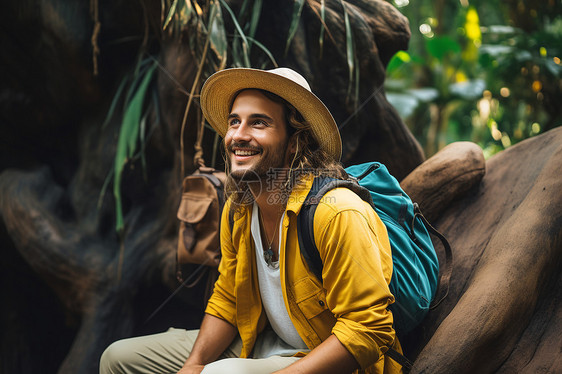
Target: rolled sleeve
[222, 303]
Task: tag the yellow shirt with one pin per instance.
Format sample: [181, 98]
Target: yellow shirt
[351, 302]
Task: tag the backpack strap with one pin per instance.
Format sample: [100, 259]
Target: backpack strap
[305, 219]
[447, 268]
[401, 359]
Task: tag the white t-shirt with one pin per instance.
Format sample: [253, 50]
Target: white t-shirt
[272, 300]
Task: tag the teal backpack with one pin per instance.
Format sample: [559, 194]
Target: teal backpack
[415, 274]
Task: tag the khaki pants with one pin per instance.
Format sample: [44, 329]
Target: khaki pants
[167, 352]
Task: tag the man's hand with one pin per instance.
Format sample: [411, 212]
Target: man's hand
[214, 338]
[191, 369]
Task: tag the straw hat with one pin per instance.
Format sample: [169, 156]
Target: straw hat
[219, 90]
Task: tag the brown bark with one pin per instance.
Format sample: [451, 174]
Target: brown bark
[445, 177]
[507, 243]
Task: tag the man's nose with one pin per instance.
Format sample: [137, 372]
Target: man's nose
[242, 132]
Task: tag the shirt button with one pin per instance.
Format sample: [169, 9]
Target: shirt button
[321, 303]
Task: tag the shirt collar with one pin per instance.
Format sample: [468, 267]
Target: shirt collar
[299, 193]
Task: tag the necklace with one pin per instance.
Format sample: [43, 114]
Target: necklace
[268, 253]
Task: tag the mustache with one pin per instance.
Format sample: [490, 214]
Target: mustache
[243, 146]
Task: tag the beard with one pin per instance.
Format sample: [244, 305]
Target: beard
[271, 163]
[248, 183]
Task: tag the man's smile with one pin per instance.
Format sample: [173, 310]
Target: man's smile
[245, 152]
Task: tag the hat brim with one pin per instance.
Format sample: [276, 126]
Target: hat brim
[218, 93]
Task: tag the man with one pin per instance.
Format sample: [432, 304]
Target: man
[266, 304]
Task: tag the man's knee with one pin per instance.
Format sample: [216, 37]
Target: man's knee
[115, 357]
[231, 365]
[159, 353]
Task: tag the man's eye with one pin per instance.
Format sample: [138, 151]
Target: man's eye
[233, 122]
[260, 122]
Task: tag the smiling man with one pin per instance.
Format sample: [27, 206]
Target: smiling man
[257, 136]
[268, 313]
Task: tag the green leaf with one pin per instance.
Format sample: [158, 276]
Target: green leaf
[142, 133]
[496, 50]
[243, 9]
[399, 59]
[523, 56]
[394, 65]
[185, 12]
[189, 7]
[235, 50]
[468, 90]
[255, 19]
[115, 101]
[424, 94]
[245, 49]
[171, 13]
[502, 29]
[439, 47]
[140, 70]
[295, 20]
[404, 56]
[400, 85]
[217, 33]
[128, 137]
[104, 188]
[265, 50]
[405, 104]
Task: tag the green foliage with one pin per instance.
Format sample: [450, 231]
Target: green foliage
[352, 58]
[472, 74]
[128, 138]
[202, 26]
[439, 47]
[132, 130]
[202, 21]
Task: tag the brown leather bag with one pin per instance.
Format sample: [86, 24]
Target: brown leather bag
[199, 214]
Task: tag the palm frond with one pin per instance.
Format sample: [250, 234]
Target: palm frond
[127, 142]
[217, 34]
[350, 50]
[245, 46]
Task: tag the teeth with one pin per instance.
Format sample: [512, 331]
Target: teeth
[245, 153]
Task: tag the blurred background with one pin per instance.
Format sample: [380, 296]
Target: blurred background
[485, 71]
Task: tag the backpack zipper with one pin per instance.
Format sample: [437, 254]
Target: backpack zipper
[369, 170]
